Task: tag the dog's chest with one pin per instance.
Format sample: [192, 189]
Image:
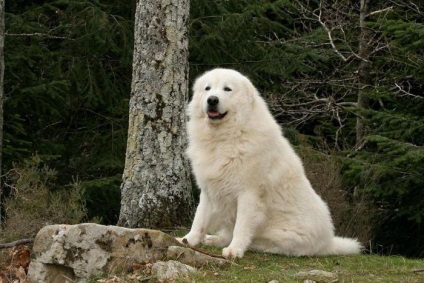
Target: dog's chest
[217, 164]
[221, 166]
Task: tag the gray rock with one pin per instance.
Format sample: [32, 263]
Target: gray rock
[194, 258]
[169, 270]
[79, 252]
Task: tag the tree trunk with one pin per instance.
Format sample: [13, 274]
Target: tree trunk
[1, 100]
[364, 71]
[156, 188]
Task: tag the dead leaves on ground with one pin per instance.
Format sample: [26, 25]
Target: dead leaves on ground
[16, 267]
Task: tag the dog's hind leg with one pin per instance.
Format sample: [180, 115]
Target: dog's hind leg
[285, 242]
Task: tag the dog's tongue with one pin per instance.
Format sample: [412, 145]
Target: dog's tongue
[213, 113]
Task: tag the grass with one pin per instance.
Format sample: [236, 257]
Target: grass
[256, 267]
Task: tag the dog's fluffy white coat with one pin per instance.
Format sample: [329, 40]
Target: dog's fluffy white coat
[254, 191]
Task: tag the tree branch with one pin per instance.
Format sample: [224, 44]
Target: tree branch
[16, 243]
[407, 93]
[380, 11]
[38, 34]
[330, 37]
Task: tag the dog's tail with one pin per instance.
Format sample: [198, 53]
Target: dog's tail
[345, 246]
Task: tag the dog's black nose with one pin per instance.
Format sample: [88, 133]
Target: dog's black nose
[213, 100]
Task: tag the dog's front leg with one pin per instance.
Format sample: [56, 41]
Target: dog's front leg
[200, 222]
[250, 216]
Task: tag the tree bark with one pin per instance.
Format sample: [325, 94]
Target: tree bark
[364, 71]
[156, 188]
[1, 100]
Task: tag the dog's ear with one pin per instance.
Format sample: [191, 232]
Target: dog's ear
[194, 108]
[196, 86]
[199, 84]
[250, 90]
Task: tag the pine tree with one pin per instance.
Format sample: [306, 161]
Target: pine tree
[390, 166]
[1, 100]
[67, 89]
[257, 38]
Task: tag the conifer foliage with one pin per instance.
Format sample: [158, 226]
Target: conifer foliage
[67, 82]
[390, 166]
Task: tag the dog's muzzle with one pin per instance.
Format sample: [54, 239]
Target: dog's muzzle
[213, 113]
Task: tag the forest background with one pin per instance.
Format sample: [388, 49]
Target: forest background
[345, 83]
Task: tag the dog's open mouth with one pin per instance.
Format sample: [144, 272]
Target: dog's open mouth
[215, 115]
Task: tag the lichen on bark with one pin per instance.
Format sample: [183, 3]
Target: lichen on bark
[156, 187]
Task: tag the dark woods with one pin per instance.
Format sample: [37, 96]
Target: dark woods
[344, 78]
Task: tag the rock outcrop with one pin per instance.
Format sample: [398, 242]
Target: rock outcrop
[77, 252]
[166, 271]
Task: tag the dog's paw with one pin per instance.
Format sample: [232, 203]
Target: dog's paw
[213, 240]
[182, 241]
[232, 253]
[191, 239]
[186, 242]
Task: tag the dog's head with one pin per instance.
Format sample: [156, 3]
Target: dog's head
[221, 95]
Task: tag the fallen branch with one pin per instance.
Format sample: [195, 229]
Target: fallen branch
[16, 243]
[201, 251]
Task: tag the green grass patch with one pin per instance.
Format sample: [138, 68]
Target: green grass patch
[258, 267]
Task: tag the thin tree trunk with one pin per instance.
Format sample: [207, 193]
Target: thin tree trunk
[364, 72]
[1, 99]
[156, 188]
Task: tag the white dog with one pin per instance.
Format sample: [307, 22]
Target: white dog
[254, 191]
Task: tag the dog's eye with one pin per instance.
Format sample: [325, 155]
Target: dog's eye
[208, 88]
[227, 88]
